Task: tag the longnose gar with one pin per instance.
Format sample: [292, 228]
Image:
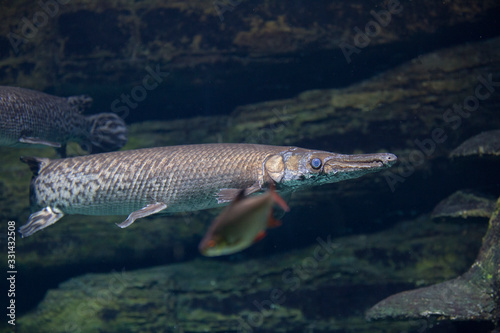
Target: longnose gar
[32, 117]
[179, 178]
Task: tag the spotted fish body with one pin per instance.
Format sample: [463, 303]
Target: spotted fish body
[187, 177]
[32, 117]
[178, 178]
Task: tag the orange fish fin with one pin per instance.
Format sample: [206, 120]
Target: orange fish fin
[279, 200]
[259, 236]
[273, 222]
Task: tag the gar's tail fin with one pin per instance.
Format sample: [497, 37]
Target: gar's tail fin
[39, 220]
[108, 132]
[48, 215]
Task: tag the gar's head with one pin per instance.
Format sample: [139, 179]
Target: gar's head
[297, 167]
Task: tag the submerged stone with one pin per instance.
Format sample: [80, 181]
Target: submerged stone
[464, 204]
[237, 51]
[474, 295]
[485, 144]
[324, 287]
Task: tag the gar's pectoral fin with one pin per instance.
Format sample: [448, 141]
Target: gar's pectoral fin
[143, 212]
[230, 194]
[38, 141]
[39, 220]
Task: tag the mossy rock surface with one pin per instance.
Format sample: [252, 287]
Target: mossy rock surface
[465, 204]
[486, 144]
[474, 295]
[236, 52]
[296, 289]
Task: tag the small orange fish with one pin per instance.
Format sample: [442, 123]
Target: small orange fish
[241, 224]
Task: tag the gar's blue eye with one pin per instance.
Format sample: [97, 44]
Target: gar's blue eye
[316, 163]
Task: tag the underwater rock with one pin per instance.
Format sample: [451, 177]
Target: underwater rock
[465, 204]
[475, 295]
[177, 132]
[211, 45]
[486, 144]
[324, 287]
[412, 102]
